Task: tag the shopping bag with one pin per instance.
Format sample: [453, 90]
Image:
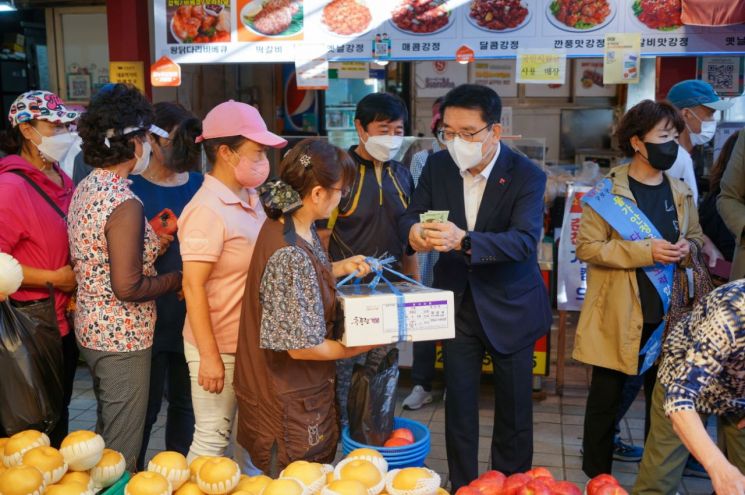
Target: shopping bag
[372, 398]
[31, 364]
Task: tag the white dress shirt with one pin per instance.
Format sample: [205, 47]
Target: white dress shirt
[683, 169]
[473, 189]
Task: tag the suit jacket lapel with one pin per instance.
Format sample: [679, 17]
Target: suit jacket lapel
[454, 188]
[496, 187]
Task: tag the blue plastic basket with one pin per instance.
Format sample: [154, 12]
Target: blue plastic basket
[412, 455]
[118, 487]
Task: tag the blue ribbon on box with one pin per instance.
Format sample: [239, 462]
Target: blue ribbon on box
[379, 266]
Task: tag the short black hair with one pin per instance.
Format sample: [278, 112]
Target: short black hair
[380, 107]
[475, 97]
[118, 108]
[641, 118]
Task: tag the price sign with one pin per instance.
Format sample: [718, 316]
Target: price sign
[128, 73]
[541, 68]
[622, 58]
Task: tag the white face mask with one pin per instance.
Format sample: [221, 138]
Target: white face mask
[383, 148]
[55, 148]
[465, 154]
[143, 160]
[708, 128]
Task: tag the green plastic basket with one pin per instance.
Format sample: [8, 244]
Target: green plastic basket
[118, 487]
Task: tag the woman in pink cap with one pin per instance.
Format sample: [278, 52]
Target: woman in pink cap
[217, 232]
[35, 196]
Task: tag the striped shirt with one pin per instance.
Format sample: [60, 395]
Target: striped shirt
[703, 364]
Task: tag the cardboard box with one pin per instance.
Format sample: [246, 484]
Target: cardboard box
[371, 317]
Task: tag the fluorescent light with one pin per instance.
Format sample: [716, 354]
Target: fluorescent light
[7, 6]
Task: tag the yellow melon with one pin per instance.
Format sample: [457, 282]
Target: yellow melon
[364, 453]
[22, 480]
[20, 443]
[345, 487]
[307, 472]
[82, 449]
[49, 461]
[409, 478]
[109, 469]
[218, 475]
[196, 465]
[69, 488]
[189, 488]
[362, 471]
[148, 483]
[253, 484]
[284, 486]
[172, 465]
[81, 477]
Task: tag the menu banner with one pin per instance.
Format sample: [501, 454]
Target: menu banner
[234, 31]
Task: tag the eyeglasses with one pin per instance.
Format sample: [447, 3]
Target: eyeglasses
[343, 190]
[465, 136]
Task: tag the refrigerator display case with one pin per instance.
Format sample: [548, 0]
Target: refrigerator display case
[341, 100]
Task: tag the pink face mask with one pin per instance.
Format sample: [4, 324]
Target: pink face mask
[251, 174]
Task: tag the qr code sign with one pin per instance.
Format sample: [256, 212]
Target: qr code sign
[721, 77]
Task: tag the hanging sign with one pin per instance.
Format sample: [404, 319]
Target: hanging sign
[128, 73]
[571, 280]
[165, 72]
[464, 54]
[622, 58]
[312, 68]
[541, 68]
[725, 74]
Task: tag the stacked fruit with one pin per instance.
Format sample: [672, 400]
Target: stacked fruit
[538, 481]
[400, 437]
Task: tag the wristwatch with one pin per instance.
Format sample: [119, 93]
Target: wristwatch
[465, 244]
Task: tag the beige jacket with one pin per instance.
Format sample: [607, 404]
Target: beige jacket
[731, 204]
[610, 324]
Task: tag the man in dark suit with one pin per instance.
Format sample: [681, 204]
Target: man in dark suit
[488, 258]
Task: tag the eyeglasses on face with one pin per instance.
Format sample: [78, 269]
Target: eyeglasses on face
[446, 136]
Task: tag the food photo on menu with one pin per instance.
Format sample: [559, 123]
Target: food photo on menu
[422, 17]
[499, 15]
[207, 22]
[580, 15]
[347, 17]
[272, 18]
[663, 15]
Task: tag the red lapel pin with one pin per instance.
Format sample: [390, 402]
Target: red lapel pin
[502, 180]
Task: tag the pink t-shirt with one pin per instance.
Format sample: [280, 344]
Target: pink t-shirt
[221, 228]
[31, 230]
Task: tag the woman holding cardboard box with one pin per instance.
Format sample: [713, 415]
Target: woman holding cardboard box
[285, 362]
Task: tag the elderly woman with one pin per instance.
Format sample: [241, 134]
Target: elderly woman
[113, 249]
[35, 195]
[629, 265]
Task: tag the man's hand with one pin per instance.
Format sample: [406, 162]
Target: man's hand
[444, 237]
[64, 279]
[416, 240]
[664, 252]
[727, 479]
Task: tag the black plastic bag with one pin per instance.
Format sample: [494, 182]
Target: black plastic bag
[31, 387]
[372, 399]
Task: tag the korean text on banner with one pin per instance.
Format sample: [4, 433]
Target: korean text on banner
[571, 282]
[622, 58]
[128, 73]
[541, 68]
[312, 67]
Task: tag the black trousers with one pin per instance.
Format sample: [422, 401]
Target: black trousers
[603, 404]
[512, 436]
[70, 355]
[423, 367]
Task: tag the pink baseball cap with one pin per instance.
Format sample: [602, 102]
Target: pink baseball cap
[234, 118]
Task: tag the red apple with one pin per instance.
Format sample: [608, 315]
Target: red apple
[534, 487]
[404, 433]
[540, 472]
[611, 489]
[565, 488]
[488, 486]
[396, 442]
[493, 475]
[468, 490]
[514, 482]
[598, 481]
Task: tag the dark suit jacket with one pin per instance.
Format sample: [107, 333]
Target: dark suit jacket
[502, 270]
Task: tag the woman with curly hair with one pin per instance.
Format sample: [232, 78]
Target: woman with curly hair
[113, 251]
[170, 181]
[285, 369]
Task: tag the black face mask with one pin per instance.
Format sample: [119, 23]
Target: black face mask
[661, 155]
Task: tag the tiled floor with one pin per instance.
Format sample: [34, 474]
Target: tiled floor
[557, 426]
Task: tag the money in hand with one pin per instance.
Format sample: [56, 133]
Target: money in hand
[432, 216]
